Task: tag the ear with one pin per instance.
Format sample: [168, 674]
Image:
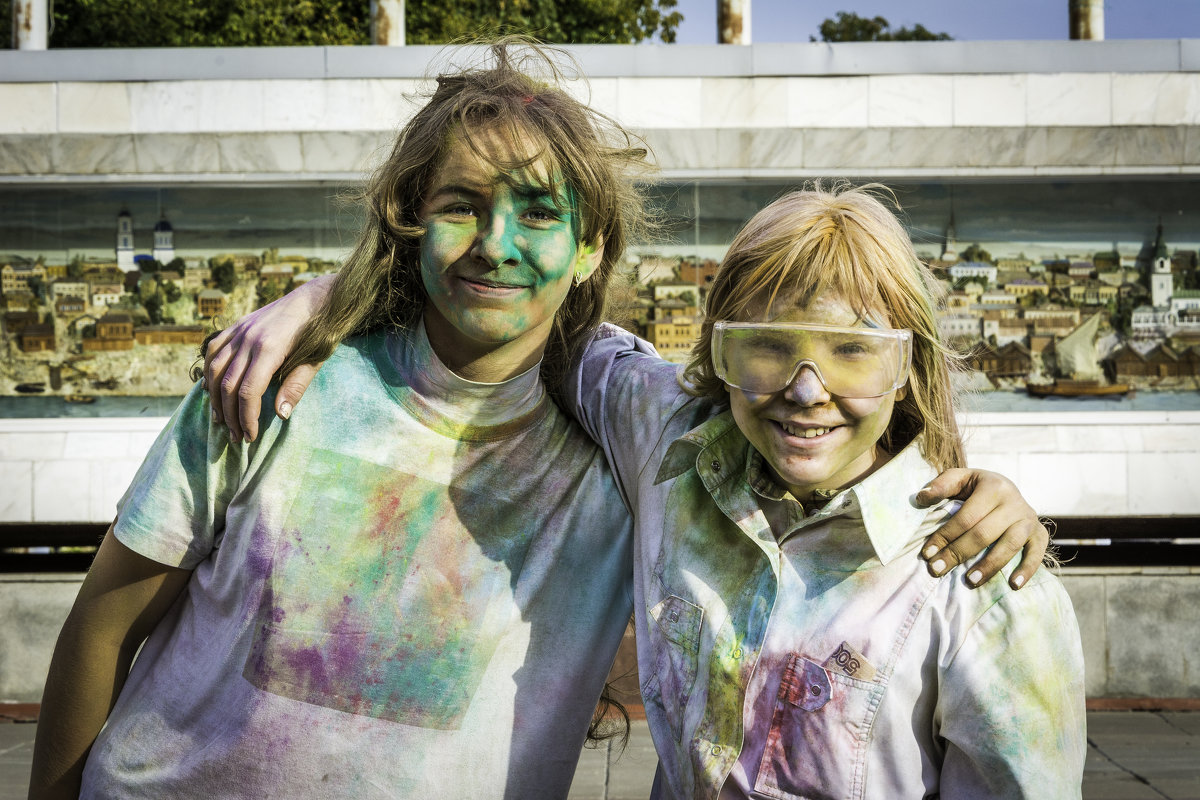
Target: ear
[588, 259]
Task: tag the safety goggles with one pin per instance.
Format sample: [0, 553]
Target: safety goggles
[851, 362]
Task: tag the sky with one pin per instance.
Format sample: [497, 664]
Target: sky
[796, 20]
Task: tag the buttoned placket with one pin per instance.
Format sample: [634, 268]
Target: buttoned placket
[722, 475]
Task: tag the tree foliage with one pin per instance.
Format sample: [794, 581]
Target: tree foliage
[208, 23]
[561, 21]
[260, 23]
[850, 27]
[224, 276]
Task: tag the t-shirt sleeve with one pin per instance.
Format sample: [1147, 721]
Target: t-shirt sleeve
[174, 511]
[623, 395]
[1011, 700]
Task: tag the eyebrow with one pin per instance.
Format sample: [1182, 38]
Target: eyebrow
[458, 188]
[535, 192]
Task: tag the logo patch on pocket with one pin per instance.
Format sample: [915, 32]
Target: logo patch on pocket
[849, 661]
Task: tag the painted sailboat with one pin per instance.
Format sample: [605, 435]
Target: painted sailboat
[1078, 367]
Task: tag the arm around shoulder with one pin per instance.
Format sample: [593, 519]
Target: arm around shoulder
[1011, 699]
[122, 599]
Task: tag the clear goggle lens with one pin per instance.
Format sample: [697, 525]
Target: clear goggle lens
[851, 362]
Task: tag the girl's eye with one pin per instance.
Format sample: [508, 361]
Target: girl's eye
[459, 210]
[850, 349]
[543, 215]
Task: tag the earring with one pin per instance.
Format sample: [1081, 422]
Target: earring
[578, 277]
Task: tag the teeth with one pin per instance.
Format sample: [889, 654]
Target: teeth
[804, 433]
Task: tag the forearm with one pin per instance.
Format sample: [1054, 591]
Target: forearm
[121, 600]
[86, 676]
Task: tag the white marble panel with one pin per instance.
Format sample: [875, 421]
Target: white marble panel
[96, 445]
[1156, 98]
[88, 154]
[31, 445]
[911, 101]
[140, 442]
[1164, 483]
[598, 93]
[1100, 438]
[685, 149]
[989, 100]
[28, 108]
[1007, 464]
[268, 152]
[1070, 98]
[1022, 439]
[168, 153]
[62, 491]
[1170, 438]
[371, 105]
[110, 479]
[296, 106]
[165, 106]
[94, 108]
[744, 102]
[230, 106]
[1076, 484]
[834, 102]
[16, 501]
[659, 102]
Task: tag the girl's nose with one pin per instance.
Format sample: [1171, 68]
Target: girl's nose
[807, 388]
[495, 243]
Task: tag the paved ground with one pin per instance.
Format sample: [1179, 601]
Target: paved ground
[1132, 755]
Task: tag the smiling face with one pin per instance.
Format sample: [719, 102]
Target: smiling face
[810, 438]
[498, 256]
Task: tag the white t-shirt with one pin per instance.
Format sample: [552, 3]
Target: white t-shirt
[413, 588]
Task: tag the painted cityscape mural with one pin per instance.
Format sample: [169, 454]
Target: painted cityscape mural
[1053, 288]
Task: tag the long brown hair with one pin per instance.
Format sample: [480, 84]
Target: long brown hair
[514, 91]
[847, 242]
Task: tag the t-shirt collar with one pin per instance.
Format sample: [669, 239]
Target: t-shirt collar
[460, 402]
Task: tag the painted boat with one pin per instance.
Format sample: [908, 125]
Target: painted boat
[1069, 388]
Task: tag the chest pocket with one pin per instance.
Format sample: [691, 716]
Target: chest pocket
[677, 626]
[816, 747]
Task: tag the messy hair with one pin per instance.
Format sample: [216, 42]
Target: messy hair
[515, 92]
[847, 242]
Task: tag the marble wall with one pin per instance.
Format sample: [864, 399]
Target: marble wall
[1119, 464]
[1046, 108]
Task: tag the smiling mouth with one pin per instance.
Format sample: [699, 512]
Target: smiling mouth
[480, 284]
[803, 432]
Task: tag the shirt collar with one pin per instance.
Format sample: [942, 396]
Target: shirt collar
[885, 499]
[720, 435]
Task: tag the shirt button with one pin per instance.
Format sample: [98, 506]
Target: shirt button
[716, 465]
[716, 751]
[815, 690]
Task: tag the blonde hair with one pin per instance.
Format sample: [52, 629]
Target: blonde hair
[514, 93]
[843, 241]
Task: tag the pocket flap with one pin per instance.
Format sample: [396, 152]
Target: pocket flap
[805, 684]
[679, 621]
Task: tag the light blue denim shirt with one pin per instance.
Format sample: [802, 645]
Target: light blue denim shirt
[818, 658]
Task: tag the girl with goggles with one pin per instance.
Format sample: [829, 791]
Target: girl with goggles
[791, 643]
